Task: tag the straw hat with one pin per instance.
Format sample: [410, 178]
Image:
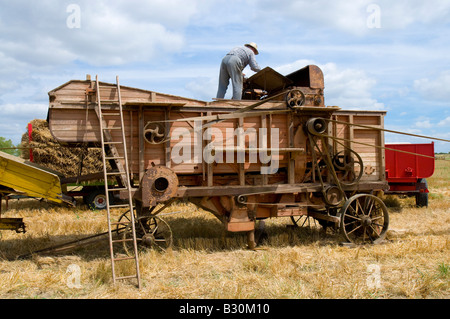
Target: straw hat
[254, 46]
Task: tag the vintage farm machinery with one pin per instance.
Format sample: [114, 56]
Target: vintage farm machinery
[279, 152]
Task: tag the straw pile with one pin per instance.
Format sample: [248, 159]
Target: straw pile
[48, 152]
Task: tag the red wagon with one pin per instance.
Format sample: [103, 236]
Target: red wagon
[407, 168]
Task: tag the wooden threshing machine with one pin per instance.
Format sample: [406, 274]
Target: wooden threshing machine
[278, 152]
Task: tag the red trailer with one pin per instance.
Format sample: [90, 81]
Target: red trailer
[407, 168]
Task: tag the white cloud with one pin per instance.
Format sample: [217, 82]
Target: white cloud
[23, 110]
[110, 32]
[205, 88]
[445, 122]
[423, 124]
[354, 17]
[285, 69]
[349, 88]
[435, 89]
[344, 87]
[401, 14]
[15, 118]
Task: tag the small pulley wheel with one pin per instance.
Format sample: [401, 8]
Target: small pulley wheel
[154, 133]
[333, 195]
[316, 126]
[295, 98]
[241, 199]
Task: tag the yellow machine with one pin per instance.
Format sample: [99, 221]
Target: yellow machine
[21, 177]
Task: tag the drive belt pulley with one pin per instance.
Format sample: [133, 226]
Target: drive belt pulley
[316, 129]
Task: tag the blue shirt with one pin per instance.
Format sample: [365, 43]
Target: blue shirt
[247, 57]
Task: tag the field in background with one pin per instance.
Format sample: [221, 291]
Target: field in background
[206, 262]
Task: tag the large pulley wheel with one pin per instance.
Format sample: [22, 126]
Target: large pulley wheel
[364, 219]
[349, 167]
[151, 232]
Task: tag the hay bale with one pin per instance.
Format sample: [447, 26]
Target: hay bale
[48, 152]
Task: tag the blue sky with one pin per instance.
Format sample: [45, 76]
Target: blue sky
[375, 55]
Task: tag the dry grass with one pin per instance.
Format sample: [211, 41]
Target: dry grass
[206, 262]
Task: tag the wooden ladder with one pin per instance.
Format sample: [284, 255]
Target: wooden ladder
[111, 154]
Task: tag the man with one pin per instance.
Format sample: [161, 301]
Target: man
[232, 66]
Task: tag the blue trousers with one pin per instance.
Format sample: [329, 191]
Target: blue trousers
[230, 68]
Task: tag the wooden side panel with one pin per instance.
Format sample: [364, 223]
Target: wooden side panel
[74, 126]
[74, 91]
[80, 92]
[224, 138]
[369, 154]
[368, 141]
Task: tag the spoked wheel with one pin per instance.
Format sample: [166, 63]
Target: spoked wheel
[364, 219]
[303, 221]
[295, 98]
[123, 222]
[151, 232]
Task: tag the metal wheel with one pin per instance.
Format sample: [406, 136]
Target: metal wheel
[302, 221]
[154, 133]
[364, 219]
[349, 167]
[151, 232]
[422, 198]
[295, 98]
[124, 221]
[97, 199]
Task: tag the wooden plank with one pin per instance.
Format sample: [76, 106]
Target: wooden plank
[209, 167]
[241, 166]
[351, 134]
[141, 144]
[201, 191]
[381, 153]
[372, 120]
[131, 139]
[291, 161]
[167, 128]
[264, 126]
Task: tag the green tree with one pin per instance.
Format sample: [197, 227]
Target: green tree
[7, 146]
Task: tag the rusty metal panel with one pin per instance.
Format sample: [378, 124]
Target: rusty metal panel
[309, 76]
[269, 80]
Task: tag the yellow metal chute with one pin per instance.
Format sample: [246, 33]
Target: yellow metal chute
[30, 179]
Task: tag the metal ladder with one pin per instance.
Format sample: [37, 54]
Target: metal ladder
[121, 174]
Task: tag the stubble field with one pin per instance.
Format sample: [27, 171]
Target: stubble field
[206, 262]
